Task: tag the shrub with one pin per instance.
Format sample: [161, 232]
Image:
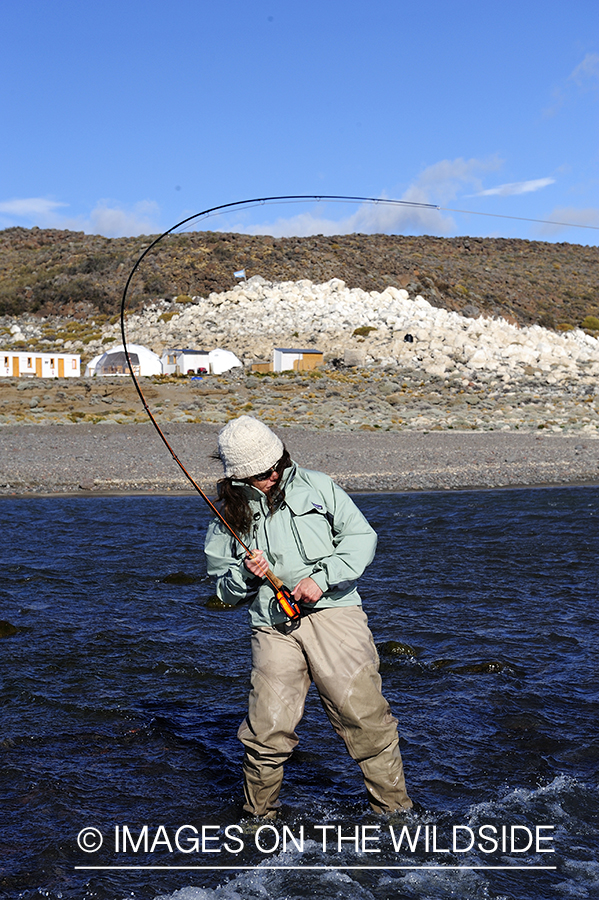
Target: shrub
[590, 322]
[155, 284]
[364, 330]
[546, 320]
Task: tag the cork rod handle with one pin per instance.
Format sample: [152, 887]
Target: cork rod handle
[276, 582]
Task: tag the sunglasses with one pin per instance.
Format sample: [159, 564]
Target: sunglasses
[264, 476]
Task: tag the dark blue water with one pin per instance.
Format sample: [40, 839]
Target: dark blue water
[122, 690]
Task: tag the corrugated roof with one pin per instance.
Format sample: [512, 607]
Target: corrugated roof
[293, 350]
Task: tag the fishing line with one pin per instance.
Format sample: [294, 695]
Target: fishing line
[283, 594]
[471, 212]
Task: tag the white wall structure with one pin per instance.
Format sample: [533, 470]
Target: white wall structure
[114, 362]
[185, 362]
[90, 368]
[27, 363]
[222, 360]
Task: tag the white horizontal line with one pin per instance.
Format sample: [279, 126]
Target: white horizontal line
[300, 868]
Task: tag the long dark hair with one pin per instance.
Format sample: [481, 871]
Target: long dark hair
[234, 502]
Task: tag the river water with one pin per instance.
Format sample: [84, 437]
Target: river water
[122, 690]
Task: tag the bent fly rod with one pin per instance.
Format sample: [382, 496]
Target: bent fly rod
[283, 595]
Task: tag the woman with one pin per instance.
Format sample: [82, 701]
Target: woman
[314, 538]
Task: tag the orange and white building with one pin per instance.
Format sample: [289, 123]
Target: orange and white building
[26, 363]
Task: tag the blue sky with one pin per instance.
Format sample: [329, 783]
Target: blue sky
[124, 117]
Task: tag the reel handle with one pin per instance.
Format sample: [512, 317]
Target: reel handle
[285, 598]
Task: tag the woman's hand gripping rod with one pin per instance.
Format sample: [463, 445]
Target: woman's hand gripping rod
[257, 564]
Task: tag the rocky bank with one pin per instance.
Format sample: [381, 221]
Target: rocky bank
[119, 459]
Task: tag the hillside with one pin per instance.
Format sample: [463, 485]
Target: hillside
[50, 272]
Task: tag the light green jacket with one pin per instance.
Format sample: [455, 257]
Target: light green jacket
[317, 532]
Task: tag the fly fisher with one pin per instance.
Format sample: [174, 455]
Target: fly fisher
[307, 530]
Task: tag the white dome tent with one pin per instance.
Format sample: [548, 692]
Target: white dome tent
[222, 360]
[114, 362]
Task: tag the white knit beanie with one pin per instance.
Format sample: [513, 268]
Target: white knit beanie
[248, 447]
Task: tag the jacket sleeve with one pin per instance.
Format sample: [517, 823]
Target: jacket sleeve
[353, 538]
[234, 584]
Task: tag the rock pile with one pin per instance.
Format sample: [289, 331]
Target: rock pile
[384, 328]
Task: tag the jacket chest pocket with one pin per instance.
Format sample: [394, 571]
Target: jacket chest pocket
[313, 535]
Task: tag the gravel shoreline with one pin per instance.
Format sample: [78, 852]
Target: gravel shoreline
[123, 459]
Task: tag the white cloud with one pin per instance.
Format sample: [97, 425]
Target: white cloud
[30, 207]
[516, 187]
[584, 77]
[437, 184]
[586, 73]
[561, 216]
[112, 220]
[441, 182]
[378, 218]
[108, 217]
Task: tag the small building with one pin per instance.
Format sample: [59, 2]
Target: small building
[26, 363]
[185, 362]
[284, 359]
[114, 362]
